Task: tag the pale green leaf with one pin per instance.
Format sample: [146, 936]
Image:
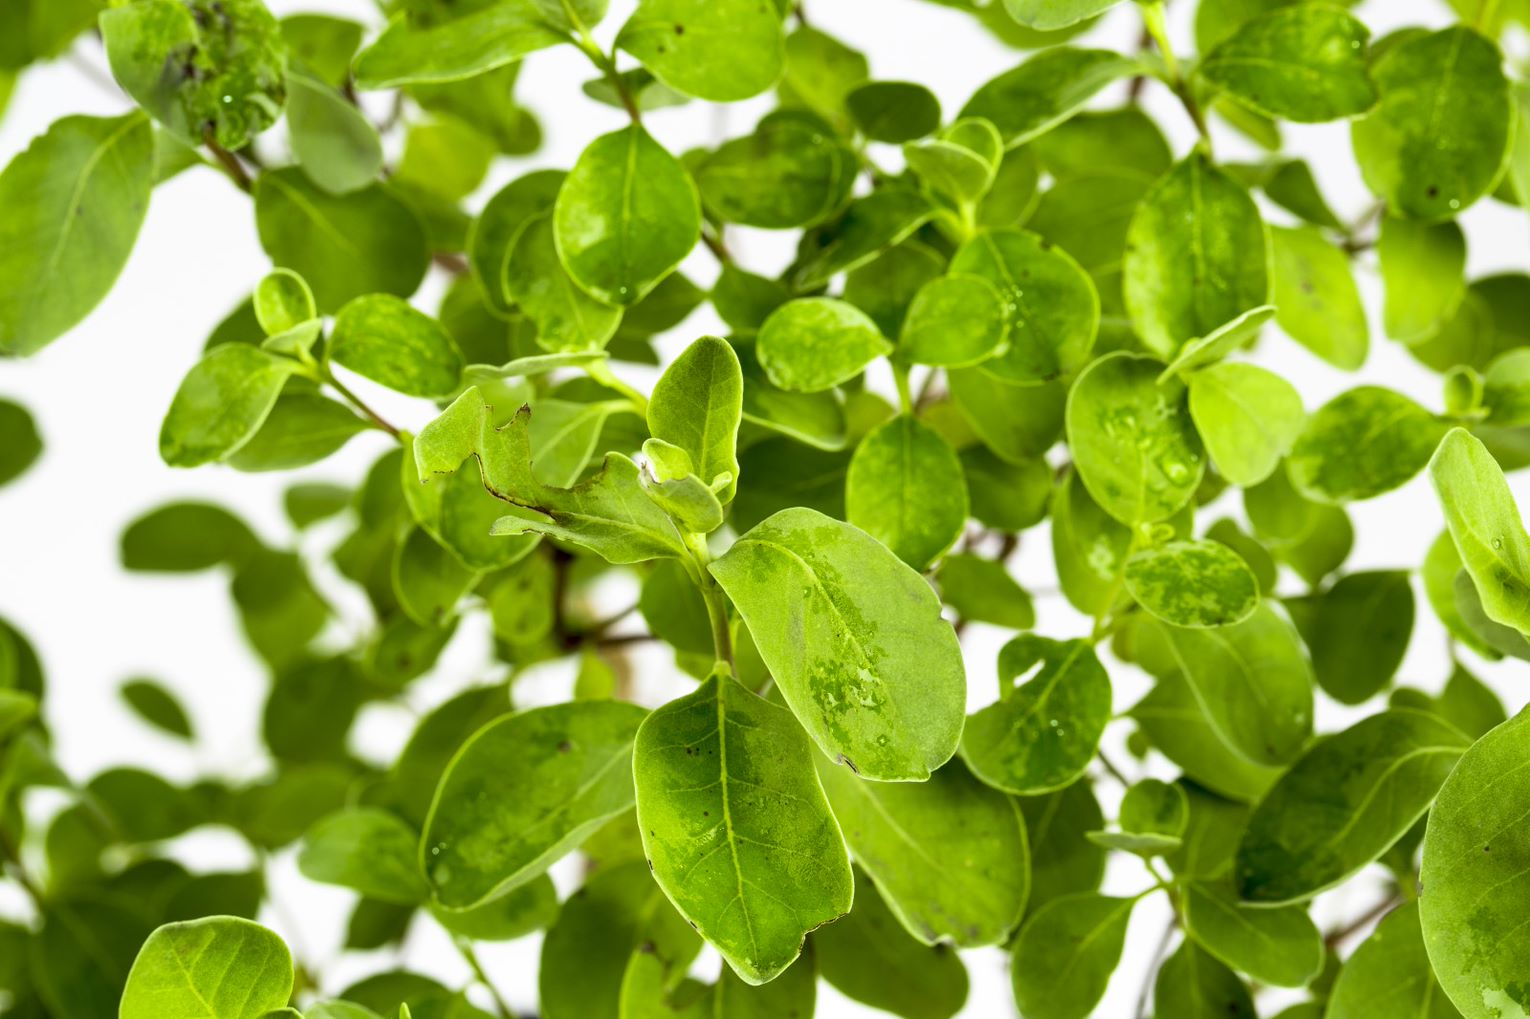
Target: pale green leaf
[220, 967]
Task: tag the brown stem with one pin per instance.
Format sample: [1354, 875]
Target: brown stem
[1370, 916]
[230, 162]
[356, 401]
[715, 245]
[451, 262]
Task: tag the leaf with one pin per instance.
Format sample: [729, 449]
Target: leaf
[1040, 736]
[1423, 271]
[1247, 417]
[23, 444]
[789, 172]
[1485, 525]
[529, 907]
[1441, 133]
[1300, 63]
[302, 428]
[1018, 422]
[854, 640]
[960, 162]
[868, 956]
[368, 850]
[382, 338]
[1223, 341]
[954, 321]
[1050, 15]
[77, 196]
[893, 111]
[364, 242]
[221, 404]
[1363, 443]
[1151, 820]
[1054, 311]
[719, 50]
[1194, 985]
[736, 828]
[1389, 974]
[522, 792]
[220, 967]
[1317, 300]
[1066, 953]
[1046, 90]
[1193, 584]
[1132, 439]
[906, 489]
[1185, 274]
[535, 280]
[903, 834]
[869, 226]
[334, 143]
[982, 591]
[1281, 946]
[1475, 857]
[608, 514]
[1172, 719]
[156, 705]
[697, 405]
[814, 343]
[1063, 859]
[410, 52]
[1343, 803]
[1252, 681]
[626, 215]
[1359, 633]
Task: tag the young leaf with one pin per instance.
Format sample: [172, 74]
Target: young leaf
[1301, 63]
[332, 139]
[1485, 525]
[381, 337]
[626, 215]
[1316, 297]
[1224, 340]
[1248, 418]
[718, 50]
[697, 405]
[1343, 455]
[854, 640]
[816, 343]
[219, 967]
[1281, 946]
[1046, 90]
[1194, 985]
[157, 706]
[524, 790]
[893, 111]
[1152, 820]
[905, 488]
[1066, 953]
[1343, 803]
[77, 195]
[735, 825]
[1475, 857]
[221, 404]
[1389, 974]
[900, 832]
[1133, 442]
[1040, 736]
[366, 849]
[1440, 136]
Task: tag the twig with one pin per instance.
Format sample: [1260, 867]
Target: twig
[356, 401]
[1113, 771]
[1145, 997]
[230, 162]
[1370, 916]
[500, 1005]
[716, 246]
[451, 262]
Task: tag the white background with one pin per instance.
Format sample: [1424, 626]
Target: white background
[100, 392]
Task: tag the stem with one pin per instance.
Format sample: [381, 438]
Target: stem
[605, 64]
[1100, 628]
[18, 870]
[1116, 774]
[1486, 15]
[714, 244]
[712, 594]
[601, 372]
[230, 162]
[1376, 912]
[358, 403]
[500, 1005]
[905, 393]
[1152, 972]
[1153, 21]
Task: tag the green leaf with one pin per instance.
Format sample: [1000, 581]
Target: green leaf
[185, 537]
[282, 302]
[1063, 859]
[324, 43]
[1363, 443]
[1046, 90]
[1423, 267]
[697, 405]
[814, 343]
[789, 172]
[869, 226]
[1018, 422]
[626, 215]
[736, 828]
[535, 280]
[364, 242]
[1187, 272]
[382, 338]
[1040, 737]
[1050, 15]
[905, 488]
[1441, 134]
[1300, 62]
[410, 51]
[204, 69]
[156, 705]
[1211, 835]
[1252, 681]
[1248, 418]
[1151, 820]
[1389, 974]
[1194, 985]
[904, 833]
[366, 849]
[1475, 856]
[1174, 722]
[1359, 633]
[868, 956]
[958, 164]
[719, 50]
[1053, 309]
[1132, 439]
[530, 907]
[428, 579]
[982, 591]
[608, 514]
[1225, 340]
[1193, 584]
[493, 234]
[522, 792]
[22, 446]
[221, 404]
[1485, 525]
[1066, 953]
[893, 111]
[1281, 946]
[334, 143]
[1343, 803]
[302, 428]
[854, 640]
[220, 967]
[1316, 297]
[77, 195]
[954, 322]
